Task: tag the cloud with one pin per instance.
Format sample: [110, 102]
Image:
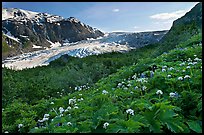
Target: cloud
[167, 16]
[116, 10]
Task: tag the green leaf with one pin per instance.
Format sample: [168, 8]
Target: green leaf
[193, 125]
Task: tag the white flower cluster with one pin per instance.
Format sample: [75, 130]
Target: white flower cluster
[20, 125]
[105, 125]
[136, 87]
[69, 123]
[104, 92]
[52, 103]
[72, 101]
[188, 67]
[182, 64]
[171, 68]
[180, 78]
[144, 88]
[173, 94]
[134, 76]
[125, 88]
[142, 80]
[189, 60]
[61, 109]
[169, 76]
[197, 59]
[130, 111]
[186, 76]
[159, 92]
[163, 70]
[45, 118]
[68, 108]
[80, 99]
[79, 88]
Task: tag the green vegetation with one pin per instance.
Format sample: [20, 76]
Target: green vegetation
[111, 97]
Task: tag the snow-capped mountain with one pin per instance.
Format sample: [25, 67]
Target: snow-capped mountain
[33, 39]
[42, 29]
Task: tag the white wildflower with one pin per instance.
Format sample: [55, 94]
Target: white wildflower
[45, 119]
[129, 85]
[72, 101]
[131, 92]
[194, 63]
[164, 67]
[183, 70]
[171, 94]
[180, 78]
[186, 76]
[52, 103]
[40, 121]
[182, 64]
[20, 125]
[197, 59]
[168, 76]
[119, 84]
[171, 68]
[136, 87]
[104, 92]
[36, 127]
[75, 88]
[76, 107]
[61, 110]
[130, 111]
[144, 88]
[190, 63]
[189, 60]
[61, 115]
[80, 94]
[125, 88]
[134, 76]
[188, 67]
[69, 123]
[163, 70]
[46, 115]
[159, 92]
[57, 92]
[6, 132]
[105, 125]
[194, 55]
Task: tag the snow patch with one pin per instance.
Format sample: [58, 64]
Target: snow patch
[54, 45]
[35, 46]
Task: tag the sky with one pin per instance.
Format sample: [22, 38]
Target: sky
[114, 16]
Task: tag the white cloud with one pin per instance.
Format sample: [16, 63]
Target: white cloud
[116, 10]
[167, 16]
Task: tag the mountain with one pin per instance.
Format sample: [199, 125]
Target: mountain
[184, 27]
[135, 40]
[34, 31]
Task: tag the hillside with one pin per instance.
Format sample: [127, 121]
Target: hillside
[126, 100]
[143, 91]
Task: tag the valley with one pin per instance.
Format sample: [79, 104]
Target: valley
[60, 75]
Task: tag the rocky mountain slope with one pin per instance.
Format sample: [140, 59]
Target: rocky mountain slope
[42, 29]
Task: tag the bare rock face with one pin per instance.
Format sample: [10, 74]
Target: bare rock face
[32, 28]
